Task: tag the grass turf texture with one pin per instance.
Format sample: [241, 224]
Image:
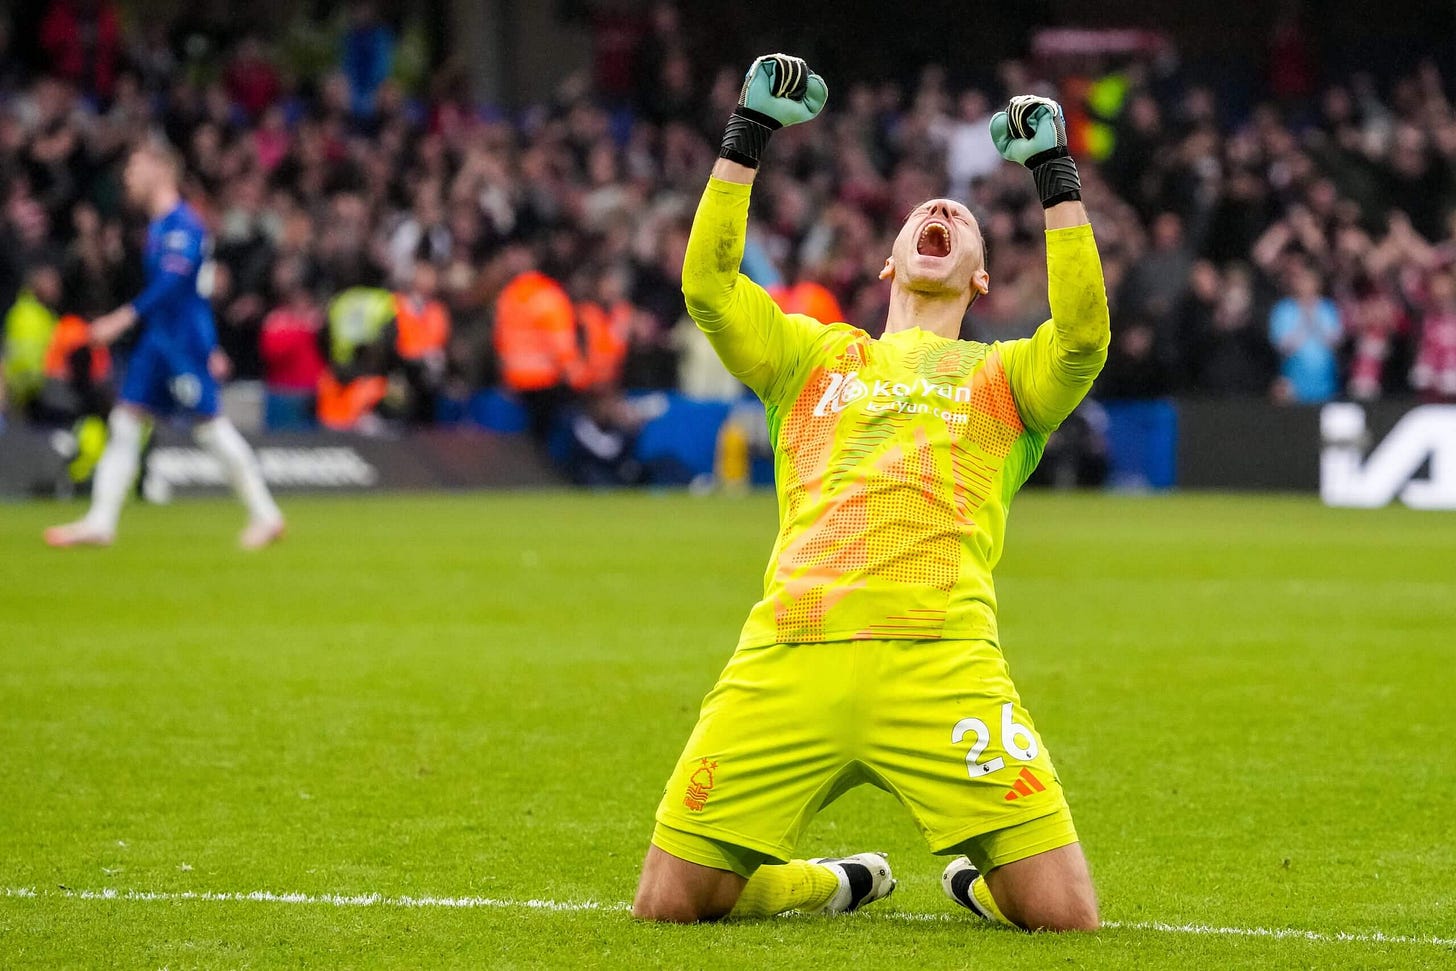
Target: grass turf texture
[1248, 698]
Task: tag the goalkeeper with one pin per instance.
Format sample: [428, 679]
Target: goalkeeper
[873, 656]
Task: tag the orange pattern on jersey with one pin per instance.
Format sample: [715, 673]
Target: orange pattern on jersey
[981, 447]
[916, 539]
[812, 560]
[898, 491]
[890, 515]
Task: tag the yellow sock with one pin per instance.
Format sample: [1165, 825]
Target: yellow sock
[982, 893]
[775, 888]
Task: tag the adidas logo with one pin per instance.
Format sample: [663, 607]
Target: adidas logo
[1025, 785]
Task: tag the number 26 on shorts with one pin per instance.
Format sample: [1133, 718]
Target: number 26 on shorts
[1012, 734]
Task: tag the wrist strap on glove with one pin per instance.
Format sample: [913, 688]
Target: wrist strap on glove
[1056, 177]
[746, 136]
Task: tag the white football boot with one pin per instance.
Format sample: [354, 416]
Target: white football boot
[863, 879]
[959, 874]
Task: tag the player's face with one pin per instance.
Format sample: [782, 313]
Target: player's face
[140, 178]
[939, 250]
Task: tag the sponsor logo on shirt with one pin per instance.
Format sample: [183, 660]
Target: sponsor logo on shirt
[919, 396]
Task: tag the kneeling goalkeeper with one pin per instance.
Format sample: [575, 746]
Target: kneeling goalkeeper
[873, 656]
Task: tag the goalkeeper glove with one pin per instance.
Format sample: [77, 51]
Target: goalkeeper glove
[1032, 132]
[778, 90]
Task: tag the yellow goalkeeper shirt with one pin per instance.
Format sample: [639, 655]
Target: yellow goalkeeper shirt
[895, 459]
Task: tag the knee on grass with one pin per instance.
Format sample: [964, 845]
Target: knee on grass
[673, 909]
[1067, 912]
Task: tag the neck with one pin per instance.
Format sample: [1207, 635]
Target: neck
[938, 313]
[164, 200]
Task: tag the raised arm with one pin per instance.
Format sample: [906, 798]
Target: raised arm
[756, 341]
[1052, 372]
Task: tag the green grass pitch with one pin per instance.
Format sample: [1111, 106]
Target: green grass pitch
[480, 696]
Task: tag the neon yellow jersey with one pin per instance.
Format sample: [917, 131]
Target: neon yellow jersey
[895, 459]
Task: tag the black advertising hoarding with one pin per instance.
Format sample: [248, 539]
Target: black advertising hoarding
[1350, 454]
[33, 463]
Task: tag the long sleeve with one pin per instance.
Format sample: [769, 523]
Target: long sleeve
[174, 273]
[759, 344]
[1052, 371]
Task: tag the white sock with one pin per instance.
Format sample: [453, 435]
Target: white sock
[115, 471]
[222, 439]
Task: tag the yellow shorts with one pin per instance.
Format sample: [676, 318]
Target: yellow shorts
[790, 728]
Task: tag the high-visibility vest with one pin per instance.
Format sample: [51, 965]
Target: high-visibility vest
[809, 298]
[604, 337]
[535, 334]
[357, 317]
[72, 334]
[340, 406]
[27, 334]
[423, 326]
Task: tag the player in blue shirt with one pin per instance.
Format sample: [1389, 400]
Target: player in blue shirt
[169, 371]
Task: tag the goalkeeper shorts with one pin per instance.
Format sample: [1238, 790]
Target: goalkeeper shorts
[789, 728]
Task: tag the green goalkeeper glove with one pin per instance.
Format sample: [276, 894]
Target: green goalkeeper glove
[1032, 132]
[778, 90]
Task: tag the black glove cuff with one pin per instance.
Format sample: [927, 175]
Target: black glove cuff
[746, 136]
[1056, 177]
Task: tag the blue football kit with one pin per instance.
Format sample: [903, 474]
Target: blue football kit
[167, 372]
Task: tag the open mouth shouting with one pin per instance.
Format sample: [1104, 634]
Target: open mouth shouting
[934, 239]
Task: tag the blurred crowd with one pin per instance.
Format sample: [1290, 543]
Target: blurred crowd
[388, 252]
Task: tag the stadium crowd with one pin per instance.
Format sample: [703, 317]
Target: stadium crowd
[382, 251]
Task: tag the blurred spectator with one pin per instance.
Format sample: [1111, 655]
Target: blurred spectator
[808, 298]
[356, 382]
[970, 155]
[252, 80]
[422, 325]
[1434, 374]
[536, 341]
[1133, 369]
[1207, 210]
[291, 346]
[1230, 353]
[1154, 289]
[1305, 329]
[1373, 319]
[605, 322]
[29, 325]
[82, 43]
[94, 272]
[1291, 64]
[368, 56]
[77, 376]
[604, 433]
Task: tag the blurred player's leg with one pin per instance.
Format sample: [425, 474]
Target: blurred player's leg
[265, 521]
[114, 474]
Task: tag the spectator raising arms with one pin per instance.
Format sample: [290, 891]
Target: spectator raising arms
[1209, 212]
[1305, 328]
[1434, 374]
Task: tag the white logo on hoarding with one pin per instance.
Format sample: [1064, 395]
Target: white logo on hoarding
[1349, 478]
[318, 467]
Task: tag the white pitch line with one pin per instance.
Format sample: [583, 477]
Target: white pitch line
[331, 899]
[498, 903]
